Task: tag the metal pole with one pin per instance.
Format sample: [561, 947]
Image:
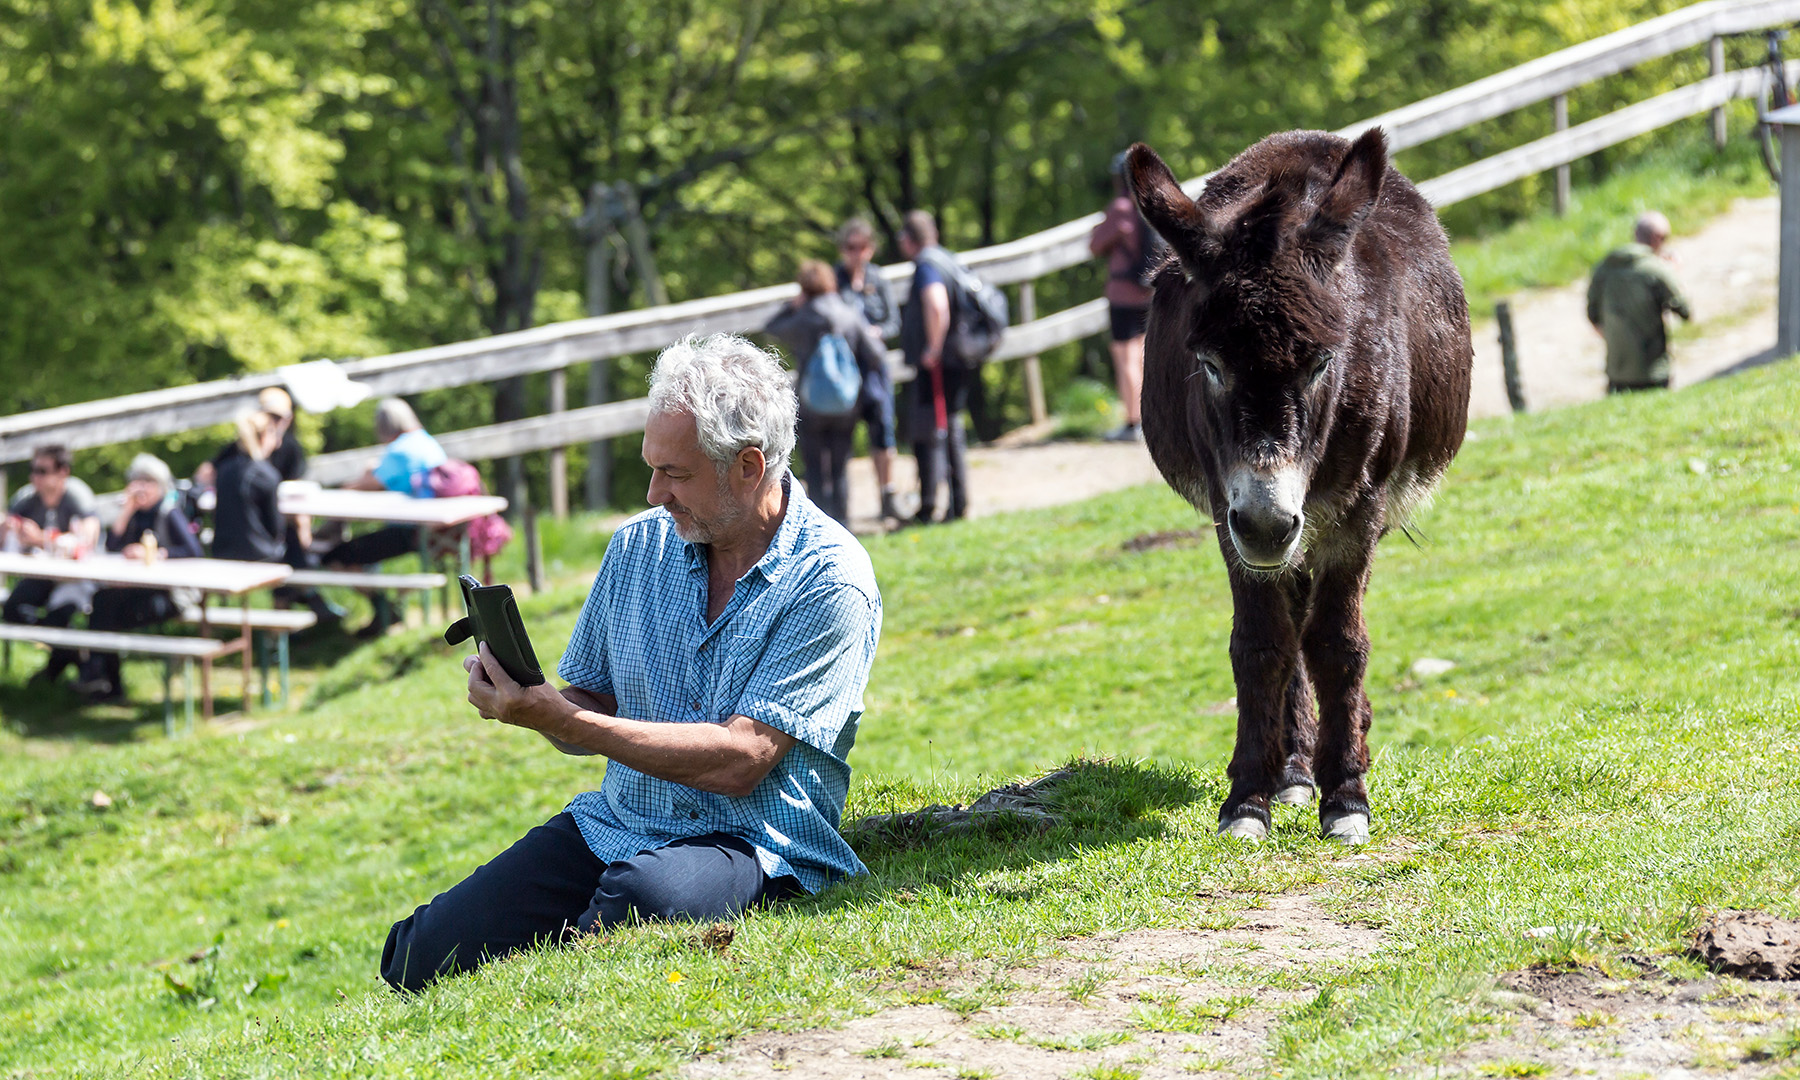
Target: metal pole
[1034, 371]
[1715, 52]
[1787, 291]
[559, 457]
[1509, 357]
[598, 481]
[1560, 106]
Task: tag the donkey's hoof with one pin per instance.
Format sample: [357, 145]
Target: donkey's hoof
[1244, 828]
[1295, 795]
[1351, 830]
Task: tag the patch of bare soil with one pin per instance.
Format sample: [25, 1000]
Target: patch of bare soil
[1156, 1003]
[1156, 541]
[1558, 1024]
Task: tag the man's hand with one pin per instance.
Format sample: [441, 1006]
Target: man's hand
[497, 697]
[31, 534]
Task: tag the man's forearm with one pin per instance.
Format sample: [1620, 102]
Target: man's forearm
[728, 758]
[582, 699]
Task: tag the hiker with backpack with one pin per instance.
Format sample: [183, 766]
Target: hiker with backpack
[834, 352]
[951, 322]
[1132, 251]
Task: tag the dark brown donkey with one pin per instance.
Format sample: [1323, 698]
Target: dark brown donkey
[1306, 382]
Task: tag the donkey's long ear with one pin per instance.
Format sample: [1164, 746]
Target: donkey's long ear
[1168, 209]
[1348, 202]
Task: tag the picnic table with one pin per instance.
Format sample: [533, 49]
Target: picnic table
[207, 577]
[440, 515]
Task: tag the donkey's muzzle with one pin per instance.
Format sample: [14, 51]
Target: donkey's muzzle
[1265, 538]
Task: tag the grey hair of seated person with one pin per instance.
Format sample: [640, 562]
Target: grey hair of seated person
[150, 467]
[739, 396]
[394, 418]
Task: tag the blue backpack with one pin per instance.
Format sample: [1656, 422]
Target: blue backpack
[830, 381]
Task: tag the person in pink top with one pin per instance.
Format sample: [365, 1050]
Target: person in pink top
[1131, 250]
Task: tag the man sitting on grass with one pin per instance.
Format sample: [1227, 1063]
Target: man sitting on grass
[719, 664]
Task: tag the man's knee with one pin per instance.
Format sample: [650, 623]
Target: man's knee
[678, 883]
[413, 955]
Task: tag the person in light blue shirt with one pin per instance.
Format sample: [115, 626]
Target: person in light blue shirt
[404, 467]
[718, 664]
[410, 453]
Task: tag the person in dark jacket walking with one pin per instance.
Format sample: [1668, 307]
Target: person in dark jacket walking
[149, 526]
[862, 285]
[247, 522]
[825, 440]
[1630, 291]
[941, 389]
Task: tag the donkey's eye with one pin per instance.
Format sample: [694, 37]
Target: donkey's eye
[1213, 375]
[1321, 364]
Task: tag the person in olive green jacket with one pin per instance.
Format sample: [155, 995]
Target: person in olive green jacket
[1630, 290]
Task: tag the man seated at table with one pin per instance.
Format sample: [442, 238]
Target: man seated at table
[150, 526]
[55, 504]
[405, 467]
[719, 663]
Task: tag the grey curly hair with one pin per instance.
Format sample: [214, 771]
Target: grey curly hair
[739, 396]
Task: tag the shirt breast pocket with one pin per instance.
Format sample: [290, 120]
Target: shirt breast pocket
[739, 655]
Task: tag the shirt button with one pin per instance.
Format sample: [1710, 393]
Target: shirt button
[696, 705]
[694, 814]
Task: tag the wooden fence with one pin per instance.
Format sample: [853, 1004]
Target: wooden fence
[1020, 262]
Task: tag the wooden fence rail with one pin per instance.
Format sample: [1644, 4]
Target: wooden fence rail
[1021, 261]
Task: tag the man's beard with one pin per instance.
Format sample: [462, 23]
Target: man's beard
[706, 530]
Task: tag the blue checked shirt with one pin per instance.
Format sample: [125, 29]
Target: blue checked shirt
[792, 649]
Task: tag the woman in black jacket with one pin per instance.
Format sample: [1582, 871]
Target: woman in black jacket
[149, 526]
[247, 522]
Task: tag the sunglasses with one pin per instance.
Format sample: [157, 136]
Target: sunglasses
[40, 470]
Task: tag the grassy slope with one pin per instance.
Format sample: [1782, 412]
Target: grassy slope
[1614, 581]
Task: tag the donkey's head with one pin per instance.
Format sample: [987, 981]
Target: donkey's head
[1257, 311]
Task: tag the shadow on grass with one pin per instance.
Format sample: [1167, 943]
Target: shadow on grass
[1099, 804]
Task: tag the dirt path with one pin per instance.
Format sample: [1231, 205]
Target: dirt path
[1728, 270]
[1146, 1003]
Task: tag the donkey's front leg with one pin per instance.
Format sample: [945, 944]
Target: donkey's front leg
[1265, 650]
[1299, 725]
[1336, 641]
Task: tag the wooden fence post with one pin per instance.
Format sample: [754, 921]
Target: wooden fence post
[1034, 371]
[1787, 289]
[1560, 109]
[534, 551]
[559, 457]
[1715, 52]
[1509, 357]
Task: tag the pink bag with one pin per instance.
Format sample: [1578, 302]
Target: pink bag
[487, 535]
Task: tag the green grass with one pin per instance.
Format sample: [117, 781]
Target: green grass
[1610, 755]
[1687, 179]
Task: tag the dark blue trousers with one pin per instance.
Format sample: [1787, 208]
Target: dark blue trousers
[549, 886]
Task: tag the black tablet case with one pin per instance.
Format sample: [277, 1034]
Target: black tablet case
[494, 619]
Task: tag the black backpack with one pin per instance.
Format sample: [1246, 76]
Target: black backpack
[978, 311]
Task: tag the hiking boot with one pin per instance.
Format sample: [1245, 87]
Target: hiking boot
[1125, 433]
[890, 507]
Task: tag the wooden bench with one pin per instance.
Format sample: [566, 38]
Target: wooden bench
[276, 627]
[171, 649]
[422, 583]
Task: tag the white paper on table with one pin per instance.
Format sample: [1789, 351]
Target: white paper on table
[319, 386]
